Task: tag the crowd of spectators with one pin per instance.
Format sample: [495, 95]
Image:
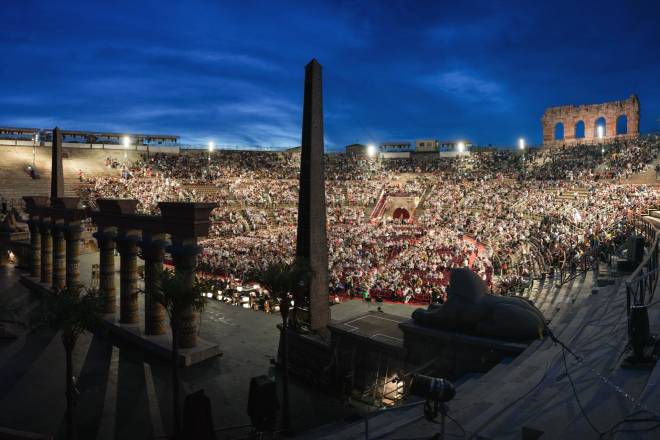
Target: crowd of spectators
[508, 215]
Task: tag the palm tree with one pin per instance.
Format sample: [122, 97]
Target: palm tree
[178, 298]
[72, 313]
[283, 281]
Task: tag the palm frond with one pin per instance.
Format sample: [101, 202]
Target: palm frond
[175, 295]
[73, 310]
[282, 278]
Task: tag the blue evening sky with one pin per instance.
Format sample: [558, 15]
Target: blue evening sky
[232, 71]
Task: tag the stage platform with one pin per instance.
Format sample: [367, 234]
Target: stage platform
[379, 327]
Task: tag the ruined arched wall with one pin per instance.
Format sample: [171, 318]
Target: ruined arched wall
[570, 115]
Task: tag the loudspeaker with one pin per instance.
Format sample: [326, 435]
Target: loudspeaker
[635, 249]
[262, 403]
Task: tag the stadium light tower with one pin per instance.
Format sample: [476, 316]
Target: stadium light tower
[371, 150]
[127, 142]
[34, 149]
[211, 145]
[521, 146]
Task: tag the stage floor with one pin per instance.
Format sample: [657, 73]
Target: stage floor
[374, 325]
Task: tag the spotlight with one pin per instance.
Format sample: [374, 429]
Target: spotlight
[432, 388]
[371, 150]
[600, 130]
[461, 146]
[521, 143]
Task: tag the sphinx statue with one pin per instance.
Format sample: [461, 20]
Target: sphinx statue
[471, 309]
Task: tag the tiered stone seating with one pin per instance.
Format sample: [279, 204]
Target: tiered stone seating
[653, 218]
[15, 182]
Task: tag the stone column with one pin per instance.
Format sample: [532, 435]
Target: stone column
[153, 253]
[184, 255]
[35, 247]
[59, 256]
[127, 242]
[106, 240]
[72, 233]
[46, 252]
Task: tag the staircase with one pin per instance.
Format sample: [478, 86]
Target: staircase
[379, 208]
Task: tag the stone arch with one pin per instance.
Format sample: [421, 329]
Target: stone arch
[600, 122]
[622, 124]
[580, 129]
[559, 131]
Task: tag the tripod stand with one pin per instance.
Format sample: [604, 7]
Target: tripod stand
[431, 410]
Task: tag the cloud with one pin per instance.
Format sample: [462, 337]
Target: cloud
[206, 57]
[468, 87]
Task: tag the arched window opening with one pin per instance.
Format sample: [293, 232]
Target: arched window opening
[622, 125]
[559, 131]
[600, 128]
[579, 130]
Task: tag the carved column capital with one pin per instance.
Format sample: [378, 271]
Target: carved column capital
[153, 247]
[106, 238]
[73, 231]
[34, 225]
[44, 225]
[57, 229]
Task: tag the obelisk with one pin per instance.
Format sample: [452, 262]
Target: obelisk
[57, 174]
[312, 243]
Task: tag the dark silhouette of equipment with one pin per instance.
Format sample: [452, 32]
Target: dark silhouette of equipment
[432, 388]
[639, 332]
[437, 392]
[635, 249]
[263, 404]
[197, 418]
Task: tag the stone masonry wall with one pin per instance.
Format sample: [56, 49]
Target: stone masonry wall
[570, 115]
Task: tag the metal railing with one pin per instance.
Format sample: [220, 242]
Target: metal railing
[641, 284]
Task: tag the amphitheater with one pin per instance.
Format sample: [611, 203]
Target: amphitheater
[548, 225]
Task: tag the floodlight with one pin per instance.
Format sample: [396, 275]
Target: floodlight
[371, 150]
[521, 143]
[211, 145]
[461, 146]
[600, 131]
[127, 141]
